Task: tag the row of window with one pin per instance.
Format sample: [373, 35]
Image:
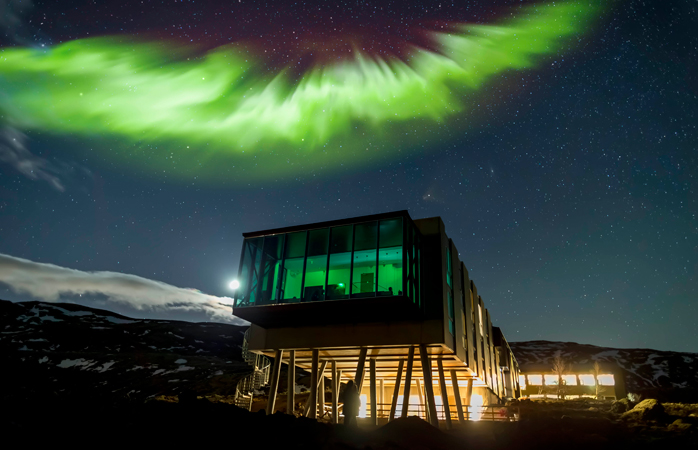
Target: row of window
[585, 379]
[349, 261]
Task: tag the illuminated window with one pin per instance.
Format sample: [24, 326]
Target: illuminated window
[535, 380]
[587, 380]
[522, 381]
[570, 380]
[551, 380]
[363, 282]
[390, 257]
[606, 380]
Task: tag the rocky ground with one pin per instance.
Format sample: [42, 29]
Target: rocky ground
[92, 377]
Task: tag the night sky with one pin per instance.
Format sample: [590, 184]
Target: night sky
[569, 188]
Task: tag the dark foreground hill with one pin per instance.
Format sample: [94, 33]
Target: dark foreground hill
[60, 350]
[650, 373]
[92, 377]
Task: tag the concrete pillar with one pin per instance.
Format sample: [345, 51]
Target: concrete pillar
[360, 369]
[408, 383]
[444, 393]
[456, 394]
[321, 373]
[321, 395]
[469, 397]
[291, 383]
[311, 405]
[428, 385]
[276, 371]
[396, 391]
[381, 396]
[374, 400]
[421, 399]
[335, 393]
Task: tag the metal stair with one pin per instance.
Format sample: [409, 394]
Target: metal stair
[259, 377]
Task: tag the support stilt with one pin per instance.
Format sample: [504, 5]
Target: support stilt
[428, 385]
[291, 383]
[381, 397]
[396, 392]
[408, 383]
[444, 394]
[311, 405]
[469, 396]
[360, 369]
[274, 381]
[456, 393]
[321, 395]
[321, 373]
[335, 393]
[421, 399]
[374, 402]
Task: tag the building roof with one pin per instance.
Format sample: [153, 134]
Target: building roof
[331, 223]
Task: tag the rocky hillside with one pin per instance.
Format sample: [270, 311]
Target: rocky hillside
[651, 373]
[56, 349]
[61, 349]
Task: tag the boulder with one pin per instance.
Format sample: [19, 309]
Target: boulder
[679, 425]
[621, 406]
[646, 410]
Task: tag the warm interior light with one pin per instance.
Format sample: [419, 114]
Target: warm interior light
[234, 284]
[606, 380]
[476, 408]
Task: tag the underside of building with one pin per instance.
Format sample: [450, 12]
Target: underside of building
[382, 300]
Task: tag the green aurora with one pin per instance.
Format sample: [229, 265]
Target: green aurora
[223, 110]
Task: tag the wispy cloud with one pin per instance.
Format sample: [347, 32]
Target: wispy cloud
[14, 151]
[49, 282]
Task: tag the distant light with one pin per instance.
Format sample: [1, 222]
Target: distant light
[341, 285]
[234, 284]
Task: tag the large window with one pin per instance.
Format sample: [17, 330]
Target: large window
[294, 257]
[390, 257]
[316, 265]
[363, 282]
[349, 261]
[339, 274]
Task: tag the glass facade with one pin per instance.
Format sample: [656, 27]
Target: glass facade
[368, 259]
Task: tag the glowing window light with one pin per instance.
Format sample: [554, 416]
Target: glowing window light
[535, 380]
[606, 380]
[570, 380]
[522, 381]
[551, 380]
[476, 408]
[414, 400]
[362, 408]
[587, 380]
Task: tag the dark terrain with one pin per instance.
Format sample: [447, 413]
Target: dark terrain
[91, 377]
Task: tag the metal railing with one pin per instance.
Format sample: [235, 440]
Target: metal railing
[244, 391]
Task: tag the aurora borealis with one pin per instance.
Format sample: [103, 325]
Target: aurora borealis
[556, 140]
[115, 86]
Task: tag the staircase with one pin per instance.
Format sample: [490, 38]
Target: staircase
[254, 381]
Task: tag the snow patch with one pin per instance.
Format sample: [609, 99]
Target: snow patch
[80, 362]
[180, 361]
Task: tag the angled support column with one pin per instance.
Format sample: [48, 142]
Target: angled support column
[381, 396]
[335, 393]
[456, 393]
[291, 383]
[274, 382]
[428, 385]
[319, 378]
[374, 400]
[311, 405]
[469, 396]
[444, 394]
[408, 383]
[360, 369]
[396, 392]
[421, 399]
[321, 393]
